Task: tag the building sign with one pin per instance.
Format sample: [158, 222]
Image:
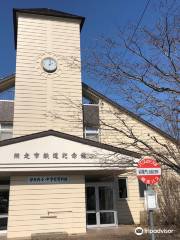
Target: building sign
[47, 179]
[54, 155]
[148, 171]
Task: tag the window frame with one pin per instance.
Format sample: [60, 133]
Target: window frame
[123, 198]
[90, 100]
[89, 104]
[140, 182]
[95, 130]
[6, 130]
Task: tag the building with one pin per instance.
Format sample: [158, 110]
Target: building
[58, 165]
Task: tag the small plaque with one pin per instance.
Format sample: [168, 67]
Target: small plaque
[150, 199]
[47, 179]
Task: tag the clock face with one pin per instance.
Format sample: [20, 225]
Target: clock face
[49, 64]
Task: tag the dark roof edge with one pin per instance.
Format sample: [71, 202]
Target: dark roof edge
[71, 138]
[35, 12]
[7, 77]
[7, 82]
[100, 95]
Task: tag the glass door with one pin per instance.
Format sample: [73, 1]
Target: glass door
[4, 203]
[100, 205]
[91, 205]
[106, 205]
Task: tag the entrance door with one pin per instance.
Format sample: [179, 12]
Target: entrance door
[100, 205]
[4, 202]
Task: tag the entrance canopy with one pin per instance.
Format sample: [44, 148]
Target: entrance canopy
[55, 151]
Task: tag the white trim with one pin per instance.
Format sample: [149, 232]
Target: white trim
[3, 232]
[90, 104]
[3, 215]
[6, 100]
[92, 130]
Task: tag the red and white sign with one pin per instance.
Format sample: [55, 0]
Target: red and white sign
[148, 171]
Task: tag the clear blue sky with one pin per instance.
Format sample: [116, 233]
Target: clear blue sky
[102, 17]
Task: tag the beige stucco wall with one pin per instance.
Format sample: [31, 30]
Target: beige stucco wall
[112, 116]
[42, 99]
[29, 202]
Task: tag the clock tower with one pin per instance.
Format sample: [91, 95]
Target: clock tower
[48, 91]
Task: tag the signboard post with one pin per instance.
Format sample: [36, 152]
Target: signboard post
[149, 172]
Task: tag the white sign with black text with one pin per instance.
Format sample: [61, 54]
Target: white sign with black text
[150, 199]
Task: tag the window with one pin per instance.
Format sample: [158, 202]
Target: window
[87, 101]
[7, 94]
[142, 188]
[90, 100]
[122, 182]
[5, 131]
[92, 133]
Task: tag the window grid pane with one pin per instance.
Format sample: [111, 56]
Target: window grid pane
[142, 188]
[7, 126]
[92, 133]
[6, 131]
[122, 188]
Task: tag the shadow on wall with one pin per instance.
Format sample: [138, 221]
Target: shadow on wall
[124, 213]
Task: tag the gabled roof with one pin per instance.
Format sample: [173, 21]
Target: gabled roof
[44, 12]
[8, 82]
[71, 138]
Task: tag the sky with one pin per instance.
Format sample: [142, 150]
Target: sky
[102, 17]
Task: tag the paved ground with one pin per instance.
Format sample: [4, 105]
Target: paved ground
[106, 234]
[123, 232]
